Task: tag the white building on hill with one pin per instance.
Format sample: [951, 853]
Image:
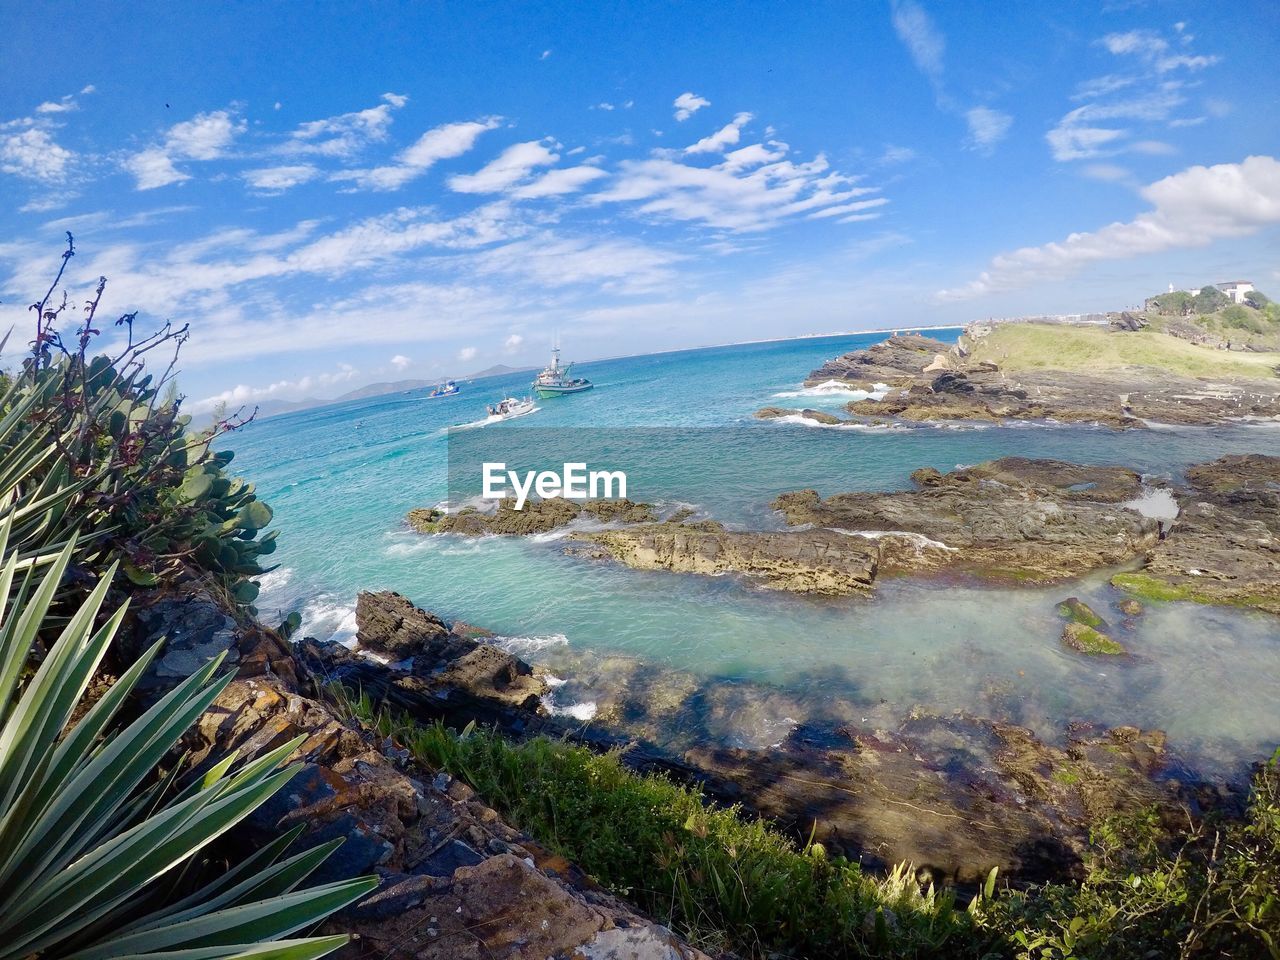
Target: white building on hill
[1235, 289]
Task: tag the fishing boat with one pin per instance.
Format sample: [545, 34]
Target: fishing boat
[510, 408]
[554, 381]
[446, 389]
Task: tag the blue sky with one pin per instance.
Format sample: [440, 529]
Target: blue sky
[333, 194]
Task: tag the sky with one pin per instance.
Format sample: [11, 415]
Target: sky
[333, 194]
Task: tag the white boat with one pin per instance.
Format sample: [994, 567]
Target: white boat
[510, 408]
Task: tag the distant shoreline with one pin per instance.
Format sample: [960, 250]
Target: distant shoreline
[801, 336]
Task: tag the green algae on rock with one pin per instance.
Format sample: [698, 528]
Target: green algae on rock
[1086, 639]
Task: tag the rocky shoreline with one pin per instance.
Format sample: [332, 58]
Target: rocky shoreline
[925, 380]
[1008, 521]
[954, 794]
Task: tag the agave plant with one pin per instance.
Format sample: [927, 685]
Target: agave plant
[97, 852]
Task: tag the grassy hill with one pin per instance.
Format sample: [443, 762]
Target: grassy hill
[1033, 346]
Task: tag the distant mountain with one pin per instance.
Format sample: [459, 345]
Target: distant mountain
[271, 408]
[378, 389]
[497, 370]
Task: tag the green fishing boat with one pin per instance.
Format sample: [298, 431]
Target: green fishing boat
[555, 381]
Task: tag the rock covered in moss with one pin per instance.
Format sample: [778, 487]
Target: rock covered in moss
[1077, 611]
[1130, 607]
[1086, 639]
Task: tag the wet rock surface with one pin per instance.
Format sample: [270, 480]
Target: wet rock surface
[535, 516]
[934, 381]
[813, 561]
[1024, 520]
[1224, 546]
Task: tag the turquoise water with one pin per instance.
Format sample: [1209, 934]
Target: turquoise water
[341, 479]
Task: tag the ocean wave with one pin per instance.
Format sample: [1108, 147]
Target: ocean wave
[530, 644]
[274, 580]
[837, 390]
[328, 618]
[856, 427]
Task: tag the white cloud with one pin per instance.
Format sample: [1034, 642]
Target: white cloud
[467, 353]
[275, 179]
[1079, 135]
[728, 196]
[1153, 49]
[1188, 209]
[726, 136]
[400, 361]
[440, 143]
[687, 104]
[545, 54]
[923, 40]
[509, 168]
[32, 153]
[244, 395]
[64, 105]
[555, 183]
[512, 342]
[345, 134]
[987, 127]
[206, 136]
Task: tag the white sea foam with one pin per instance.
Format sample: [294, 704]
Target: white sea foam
[327, 618]
[531, 644]
[579, 711]
[857, 427]
[277, 579]
[837, 390]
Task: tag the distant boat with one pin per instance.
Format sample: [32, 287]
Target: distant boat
[511, 408]
[555, 381]
[446, 389]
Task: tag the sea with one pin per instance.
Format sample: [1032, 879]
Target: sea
[341, 478]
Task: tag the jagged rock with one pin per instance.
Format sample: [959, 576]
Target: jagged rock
[195, 627]
[457, 882]
[817, 416]
[536, 516]
[391, 624]
[1018, 519]
[811, 561]
[902, 356]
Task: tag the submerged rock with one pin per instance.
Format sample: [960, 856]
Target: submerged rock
[1075, 609]
[1086, 639]
[817, 416]
[1130, 607]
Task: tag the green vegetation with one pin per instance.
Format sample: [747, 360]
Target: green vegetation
[99, 858]
[1033, 346]
[724, 879]
[1086, 639]
[99, 446]
[104, 830]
